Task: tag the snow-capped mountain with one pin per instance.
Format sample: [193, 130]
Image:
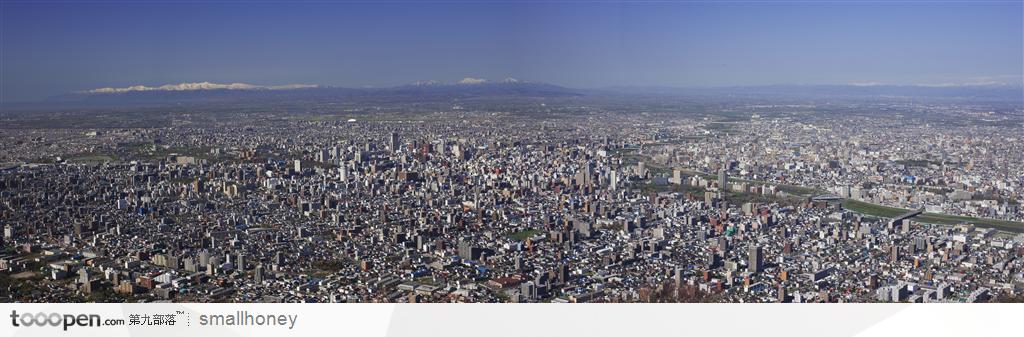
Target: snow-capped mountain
[200, 92]
[469, 81]
[197, 86]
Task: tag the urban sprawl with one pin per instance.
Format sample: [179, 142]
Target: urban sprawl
[537, 201]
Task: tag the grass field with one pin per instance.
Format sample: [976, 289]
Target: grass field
[1009, 226]
[872, 209]
[932, 218]
[522, 235]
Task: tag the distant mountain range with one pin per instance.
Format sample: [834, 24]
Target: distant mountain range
[196, 86]
[214, 92]
[206, 92]
[986, 92]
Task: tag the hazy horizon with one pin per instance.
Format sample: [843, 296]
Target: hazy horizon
[52, 48]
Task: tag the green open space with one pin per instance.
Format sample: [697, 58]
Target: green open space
[872, 209]
[522, 235]
[932, 218]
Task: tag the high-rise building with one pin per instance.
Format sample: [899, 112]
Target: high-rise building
[335, 153]
[83, 275]
[241, 261]
[204, 258]
[613, 180]
[528, 290]
[678, 278]
[723, 180]
[755, 262]
[394, 142]
[467, 251]
[190, 264]
[258, 274]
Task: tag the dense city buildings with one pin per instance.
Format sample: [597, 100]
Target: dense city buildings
[565, 199]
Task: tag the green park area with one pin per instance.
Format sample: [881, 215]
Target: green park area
[932, 218]
[522, 235]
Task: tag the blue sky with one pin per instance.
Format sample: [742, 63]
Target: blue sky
[54, 47]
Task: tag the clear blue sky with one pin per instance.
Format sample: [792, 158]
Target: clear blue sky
[54, 47]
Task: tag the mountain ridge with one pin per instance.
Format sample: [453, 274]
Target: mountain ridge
[432, 90]
[192, 92]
